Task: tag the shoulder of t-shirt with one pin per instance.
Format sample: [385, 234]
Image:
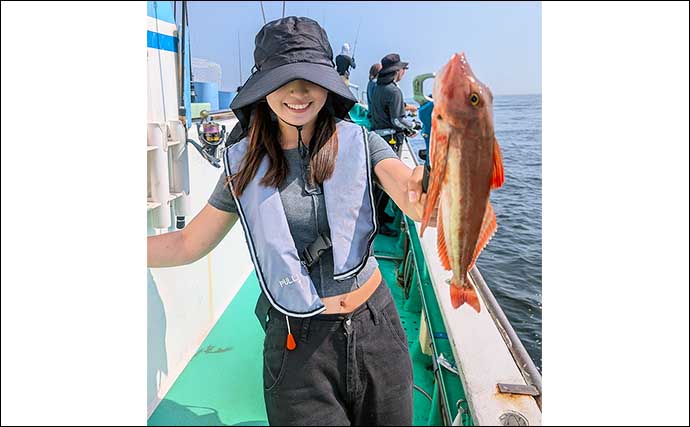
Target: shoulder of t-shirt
[376, 141]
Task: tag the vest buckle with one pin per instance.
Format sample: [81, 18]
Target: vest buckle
[313, 252]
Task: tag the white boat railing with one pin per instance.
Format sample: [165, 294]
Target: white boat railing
[524, 362]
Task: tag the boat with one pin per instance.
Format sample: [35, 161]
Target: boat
[204, 341]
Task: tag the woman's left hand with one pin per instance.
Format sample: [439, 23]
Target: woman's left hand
[416, 198]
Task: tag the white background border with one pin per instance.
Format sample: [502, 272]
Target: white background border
[615, 213]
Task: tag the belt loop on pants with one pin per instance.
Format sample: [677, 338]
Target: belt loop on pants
[374, 312]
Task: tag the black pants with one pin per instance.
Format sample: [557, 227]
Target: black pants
[351, 369]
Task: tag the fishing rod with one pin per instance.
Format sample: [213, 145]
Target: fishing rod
[211, 135]
[354, 48]
[185, 11]
[239, 56]
[181, 48]
[262, 11]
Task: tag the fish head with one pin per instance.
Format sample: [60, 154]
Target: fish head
[462, 101]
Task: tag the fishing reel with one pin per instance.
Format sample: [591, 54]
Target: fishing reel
[212, 137]
[415, 129]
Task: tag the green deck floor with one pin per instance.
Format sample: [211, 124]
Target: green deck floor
[421, 364]
[222, 384]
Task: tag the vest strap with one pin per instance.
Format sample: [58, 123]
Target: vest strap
[262, 309]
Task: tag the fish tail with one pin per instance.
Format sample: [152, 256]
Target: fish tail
[462, 295]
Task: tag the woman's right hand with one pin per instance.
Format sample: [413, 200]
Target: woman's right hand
[191, 243]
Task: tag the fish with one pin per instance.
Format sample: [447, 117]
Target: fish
[466, 164]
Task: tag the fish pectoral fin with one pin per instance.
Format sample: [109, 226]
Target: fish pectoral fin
[486, 232]
[439, 158]
[441, 242]
[464, 294]
[497, 176]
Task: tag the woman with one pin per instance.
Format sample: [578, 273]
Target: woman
[301, 183]
[373, 74]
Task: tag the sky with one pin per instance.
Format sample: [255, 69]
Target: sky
[502, 40]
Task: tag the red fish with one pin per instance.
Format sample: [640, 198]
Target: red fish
[466, 165]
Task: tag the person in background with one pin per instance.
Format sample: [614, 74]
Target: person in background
[373, 73]
[388, 110]
[387, 107]
[343, 62]
[424, 114]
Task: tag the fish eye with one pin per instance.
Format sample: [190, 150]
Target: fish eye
[474, 99]
[439, 117]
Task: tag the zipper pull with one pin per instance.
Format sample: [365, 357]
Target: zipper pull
[291, 344]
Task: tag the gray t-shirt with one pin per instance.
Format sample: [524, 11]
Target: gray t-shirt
[306, 217]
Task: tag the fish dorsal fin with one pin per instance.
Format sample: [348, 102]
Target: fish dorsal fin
[486, 232]
[441, 242]
[497, 177]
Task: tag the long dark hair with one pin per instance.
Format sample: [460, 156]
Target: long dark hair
[264, 140]
[374, 70]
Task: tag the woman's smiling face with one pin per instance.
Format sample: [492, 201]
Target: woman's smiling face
[297, 102]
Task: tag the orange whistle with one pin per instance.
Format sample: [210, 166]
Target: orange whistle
[291, 344]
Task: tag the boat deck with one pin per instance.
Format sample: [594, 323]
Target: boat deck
[222, 384]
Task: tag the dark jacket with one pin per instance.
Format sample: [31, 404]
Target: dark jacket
[343, 64]
[387, 107]
[370, 90]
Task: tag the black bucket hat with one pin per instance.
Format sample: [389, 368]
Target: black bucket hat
[391, 63]
[289, 49]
